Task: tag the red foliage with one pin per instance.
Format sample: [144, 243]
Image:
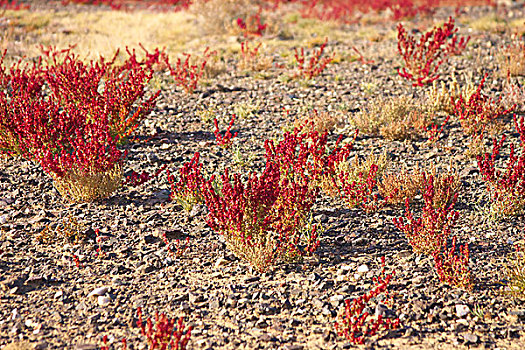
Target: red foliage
[356, 323]
[314, 66]
[428, 233]
[226, 140]
[422, 59]
[187, 75]
[164, 334]
[252, 26]
[452, 268]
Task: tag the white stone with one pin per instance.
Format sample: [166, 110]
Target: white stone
[462, 310]
[98, 291]
[363, 268]
[103, 300]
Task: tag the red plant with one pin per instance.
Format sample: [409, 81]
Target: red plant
[226, 140]
[452, 268]
[13, 5]
[434, 131]
[264, 218]
[314, 66]
[357, 324]
[135, 179]
[164, 334]
[361, 192]
[479, 110]
[422, 59]
[506, 187]
[427, 233]
[188, 190]
[187, 75]
[180, 248]
[100, 90]
[361, 57]
[252, 26]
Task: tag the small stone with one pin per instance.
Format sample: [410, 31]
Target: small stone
[381, 310]
[103, 300]
[462, 310]
[3, 219]
[59, 294]
[220, 262]
[98, 291]
[363, 269]
[336, 298]
[470, 338]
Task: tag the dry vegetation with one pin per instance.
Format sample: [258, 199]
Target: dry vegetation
[268, 175]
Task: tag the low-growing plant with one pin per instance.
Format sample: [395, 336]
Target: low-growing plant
[356, 323]
[428, 233]
[395, 119]
[515, 272]
[164, 334]
[102, 89]
[265, 218]
[314, 65]
[452, 267]
[188, 190]
[512, 59]
[422, 58]
[398, 186]
[69, 229]
[188, 74]
[478, 111]
[319, 121]
[226, 139]
[505, 187]
[252, 25]
[444, 98]
[252, 59]
[354, 180]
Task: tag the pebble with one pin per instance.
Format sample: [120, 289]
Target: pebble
[103, 300]
[363, 268]
[98, 291]
[462, 310]
[470, 338]
[221, 262]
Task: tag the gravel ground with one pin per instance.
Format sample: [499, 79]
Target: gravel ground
[47, 300]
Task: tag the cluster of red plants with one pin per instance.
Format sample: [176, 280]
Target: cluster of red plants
[186, 73]
[164, 334]
[70, 116]
[429, 232]
[422, 58]
[264, 217]
[13, 5]
[476, 112]
[252, 26]
[226, 139]
[453, 268]
[507, 187]
[313, 66]
[357, 324]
